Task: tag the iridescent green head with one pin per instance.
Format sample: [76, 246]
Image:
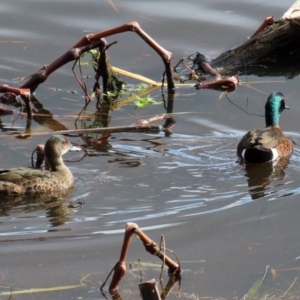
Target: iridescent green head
[274, 106]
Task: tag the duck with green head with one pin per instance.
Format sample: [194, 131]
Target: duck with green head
[270, 143]
[18, 181]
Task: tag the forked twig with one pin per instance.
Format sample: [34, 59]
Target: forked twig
[150, 246]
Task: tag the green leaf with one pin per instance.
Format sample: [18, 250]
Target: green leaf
[253, 290]
[145, 101]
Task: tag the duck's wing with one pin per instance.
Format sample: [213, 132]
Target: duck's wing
[247, 141]
[268, 138]
[19, 175]
[260, 138]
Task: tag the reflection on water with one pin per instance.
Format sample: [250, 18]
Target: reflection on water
[56, 208]
[196, 176]
[260, 177]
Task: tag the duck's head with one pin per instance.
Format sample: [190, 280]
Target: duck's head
[55, 147]
[274, 106]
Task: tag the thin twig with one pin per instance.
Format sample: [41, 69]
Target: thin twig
[162, 245]
[102, 286]
[140, 269]
[82, 85]
[290, 287]
[242, 108]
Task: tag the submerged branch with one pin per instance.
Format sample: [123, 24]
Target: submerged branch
[132, 128]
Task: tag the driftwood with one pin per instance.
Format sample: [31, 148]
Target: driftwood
[274, 42]
[272, 50]
[88, 42]
[119, 269]
[92, 41]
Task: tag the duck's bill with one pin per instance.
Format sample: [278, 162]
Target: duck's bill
[75, 148]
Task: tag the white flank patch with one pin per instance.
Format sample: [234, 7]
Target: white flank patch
[243, 153]
[275, 153]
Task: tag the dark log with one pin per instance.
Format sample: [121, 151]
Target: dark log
[149, 290]
[276, 40]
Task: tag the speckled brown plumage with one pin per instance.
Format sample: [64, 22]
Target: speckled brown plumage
[27, 180]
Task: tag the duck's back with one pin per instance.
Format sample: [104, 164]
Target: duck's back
[263, 145]
[26, 180]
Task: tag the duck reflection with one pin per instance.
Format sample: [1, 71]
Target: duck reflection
[260, 176]
[57, 209]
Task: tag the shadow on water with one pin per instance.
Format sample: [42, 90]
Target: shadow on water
[57, 207]
[260, 177]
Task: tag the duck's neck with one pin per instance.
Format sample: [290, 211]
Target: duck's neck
[272, 118]
[56, 164]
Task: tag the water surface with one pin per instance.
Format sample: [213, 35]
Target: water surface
[225, 222]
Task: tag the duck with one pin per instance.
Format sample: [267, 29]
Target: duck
[23, 180]
[270, 143]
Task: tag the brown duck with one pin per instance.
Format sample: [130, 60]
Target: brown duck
[18, 181]
[270, 143]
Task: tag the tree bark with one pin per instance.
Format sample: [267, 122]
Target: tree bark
[275, 44]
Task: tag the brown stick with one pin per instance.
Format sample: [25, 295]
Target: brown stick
[73, 54]
[17, 91]
[120, 267]
[135, 27]
[23, 93]
[224, 85]
[140, 128]
[154, 249]
[91, 41]
[151, 247]
[6, 111]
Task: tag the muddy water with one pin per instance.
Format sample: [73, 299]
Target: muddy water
[226, 223]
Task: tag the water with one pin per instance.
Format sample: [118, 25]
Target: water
[225, 222]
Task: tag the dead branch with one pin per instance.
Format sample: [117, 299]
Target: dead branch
[72, 54]
[151, 247]
[223, 85]
[135, 27]
[139, 128]
[17, 91]
[169, 120]
[24, 93]
[6, 111]
[92, 41]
